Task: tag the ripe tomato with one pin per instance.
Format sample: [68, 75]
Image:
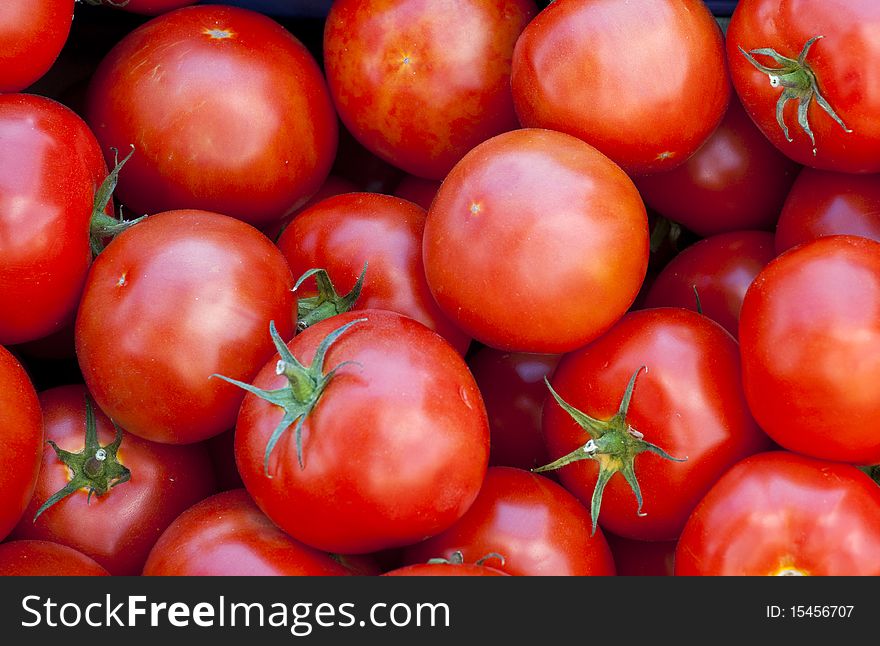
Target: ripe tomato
[737, 180]
[644, 82]
[718, 270]
[227, 535]
[344, 233]
[688, 401]
[823, 203]
[421, 82]
[448, 567]
[119, 526]
[779, 513]
[538, 527]
[810, 343]
[227, 111]
[389, 449]
[51, 168]
[21, 435]
[33, 34]
[168, 303]
[807, 75]
[535, 242]
[44, 558]
[512, 385]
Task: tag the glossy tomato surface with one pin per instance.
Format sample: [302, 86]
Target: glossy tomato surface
[823, 203]
[421, 82]
[445, 569]
[644, 82]
[227, 535]
[116, 529]
[688, 401]
[810, 343]
[173, 300]
[50, 168]
[227, 112]
[737, 180]
[716, 270]
[535, 242]
[539, 529]
[343, 233]
[33, 34]
[779, 513]
[844, 61]
[393, 451]
[44, 558]
[21, 435]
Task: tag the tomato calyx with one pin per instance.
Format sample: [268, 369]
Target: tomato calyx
[327, 302]
[798, 82]
[457, 558]
[305, 385]
[96, 468]
[103, 227]
[613, 444]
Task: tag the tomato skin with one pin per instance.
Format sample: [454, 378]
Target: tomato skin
[117, 529]
[577, 69]
[227, 111]
[444, 62]
[445, 569]
[343, 232]
[810, 345]
[394, 451]
[512, 385]
[44, 558]
[721, 268]
[779, 512]
[736, 181]
[33, 34]
[52, 165]
[227, 535]
[418, 190]
[508, 206]
[844, 62]
[171, 301]
[21, 435]
[642, 558]
[823, 203]
[537, 526]
[149, 7]
[689, 402]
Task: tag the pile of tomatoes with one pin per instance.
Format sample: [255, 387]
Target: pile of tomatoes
[471, 287]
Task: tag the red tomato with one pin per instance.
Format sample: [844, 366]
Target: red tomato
[51, 167]
[444, 567]
[719, 269]
[418, 190]
[810, 342]
[21, 435]
[644, 82]
[44, 558]
[342, 233]
[535, 242]
[779, 513]
[168, 303]
[823, 203]
[394, 444]
[538, 528]
[145, 7]
[642, 558]
[737, 180]
[164, 481]
[227, 535]
[807, 75]
[227, 111]
[512, 385]
[421, 82]
[333, 185]
[33, 34]
[688, 401]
